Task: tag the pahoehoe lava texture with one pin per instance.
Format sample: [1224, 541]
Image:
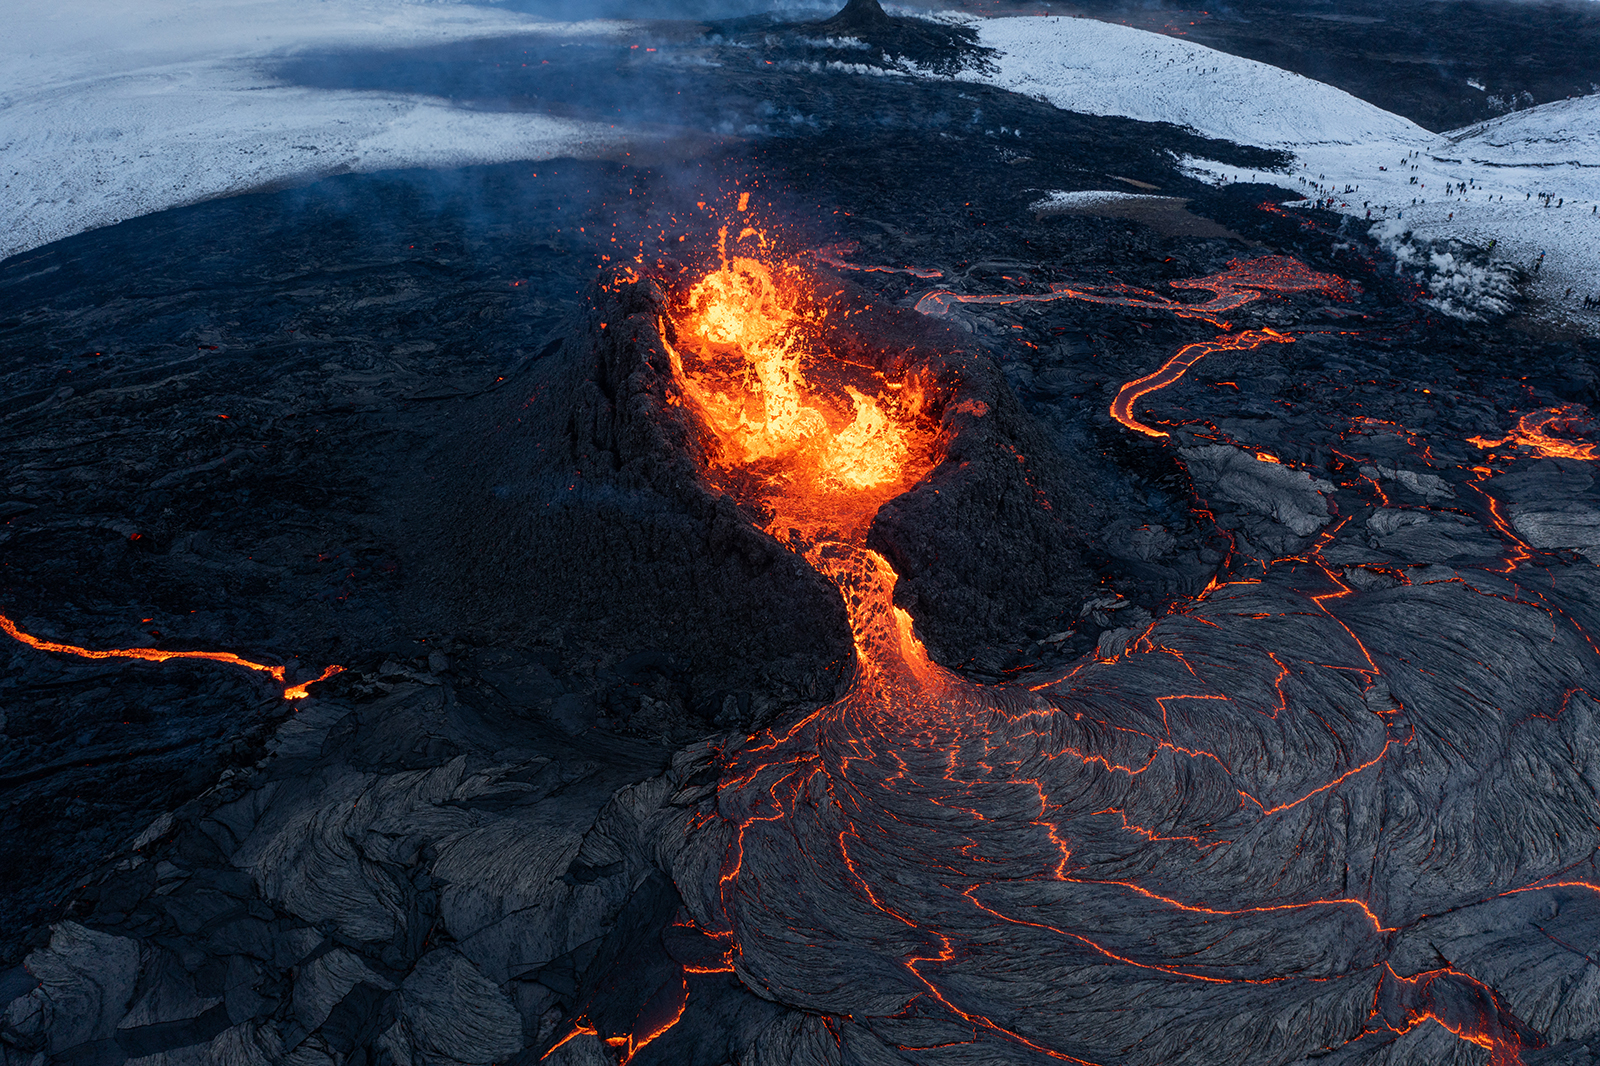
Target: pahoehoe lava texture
[1013, 868]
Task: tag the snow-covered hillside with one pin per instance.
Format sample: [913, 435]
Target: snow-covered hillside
[111, 109]
[1529, 181]
[1562, 133]
[1105, 69]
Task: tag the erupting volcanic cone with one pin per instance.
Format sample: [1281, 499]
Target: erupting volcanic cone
[600, 505]
[578, 506]
[956, 490]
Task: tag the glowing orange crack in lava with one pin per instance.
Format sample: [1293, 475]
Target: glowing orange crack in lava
[1244, 282]
[155, 655]
[836, 256]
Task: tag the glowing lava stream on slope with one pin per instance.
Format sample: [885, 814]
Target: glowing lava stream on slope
[155, 655]
[1174, 368]
[1538, 432]
[924, 839]
[1244, 282]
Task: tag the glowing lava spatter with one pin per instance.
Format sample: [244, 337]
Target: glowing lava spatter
[156, 655]
[819, 432]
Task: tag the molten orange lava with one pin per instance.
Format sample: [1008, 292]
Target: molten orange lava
[1174, 368]
[156, 655]
[302, 690]
[820, 443]
[1536, 431]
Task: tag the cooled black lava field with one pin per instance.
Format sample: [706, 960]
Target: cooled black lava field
[1250, 715]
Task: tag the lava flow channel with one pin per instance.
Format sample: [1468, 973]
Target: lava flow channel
[1194, 827]
[1244, 282]
[156, 655]
[1174, 368]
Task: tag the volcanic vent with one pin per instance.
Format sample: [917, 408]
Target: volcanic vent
[686, 446]
[875, 444]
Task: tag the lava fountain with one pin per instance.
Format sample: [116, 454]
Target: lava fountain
[816, 444]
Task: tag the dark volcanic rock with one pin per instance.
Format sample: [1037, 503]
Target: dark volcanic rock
[859, 16]
[582, 513]
[939, 47]
[991, 543]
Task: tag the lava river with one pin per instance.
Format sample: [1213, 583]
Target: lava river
[1251, 836]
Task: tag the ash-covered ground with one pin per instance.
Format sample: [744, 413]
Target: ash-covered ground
[376, 422]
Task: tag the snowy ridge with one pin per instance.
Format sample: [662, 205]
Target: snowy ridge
[111, 110]
[1104, 69]
[1528, 181]
[1557, 133]
[1078, 201]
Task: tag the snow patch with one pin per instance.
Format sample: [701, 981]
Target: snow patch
[1080, 201]
[1102, 69]
[111, 110]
